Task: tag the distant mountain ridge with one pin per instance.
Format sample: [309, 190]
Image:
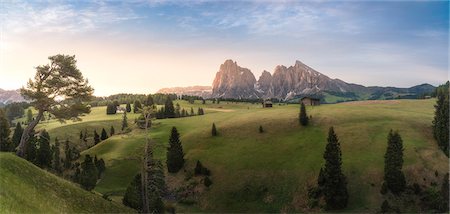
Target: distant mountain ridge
[10, 96]
[286, 83]
[201, 91]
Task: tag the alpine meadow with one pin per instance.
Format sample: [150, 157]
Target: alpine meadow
[224, 107]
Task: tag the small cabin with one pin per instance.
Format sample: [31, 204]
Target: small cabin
[310, 101]
[267, 104]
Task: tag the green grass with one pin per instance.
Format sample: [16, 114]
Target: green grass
[270, 172]
[25, 188]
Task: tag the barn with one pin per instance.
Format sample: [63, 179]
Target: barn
[267, 104]
[310, 101]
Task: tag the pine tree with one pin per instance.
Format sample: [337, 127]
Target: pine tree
[133, 194]
[44, 154]
[203, 101]
[214, 130]
[445, 195]
[192, 111]
[29, 115]
[18, 131]
[149, 101]
[261, 130]
[303, 118]
[96, 137]
[68, 156]
[56, 157]
[169, 108]
[112, 131]
[175, 155]
[441, 118]
[207, 182]
[128, 107]
[137, 106]
[31, 149]
[111, 108]
[5, 143]
[393, 162]
[89, 174]
[100, 165]
[335, 184]
[104, 135]
[124, 121]
[81, 135]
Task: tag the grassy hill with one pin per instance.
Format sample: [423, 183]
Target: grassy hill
[26, 188]
[270, 172]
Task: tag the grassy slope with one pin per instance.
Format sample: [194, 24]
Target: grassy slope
[26, 188]
[287, 156]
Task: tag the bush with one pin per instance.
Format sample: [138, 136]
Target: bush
[207, 182]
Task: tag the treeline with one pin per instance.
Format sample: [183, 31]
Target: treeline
[158, 99]
[441, 117]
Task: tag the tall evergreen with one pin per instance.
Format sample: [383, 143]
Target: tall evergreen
[169, 108]
[133, 194]
[18, 131]
[445, 194]
[335, 182]
[192, 111]
[394, 179]
[100, 165]
[5, 143]
[149, 101]
[112, 131]
[441, 118]
[175, 155]
[303, 117]
[31, 148]
[128, 107]
[104, 135]
[96, 137]
[124, 121]
[68, 156]
[89, 174]
[137, 106]
[56, 157]
[44, 154]
[81, 135]
[213, 130]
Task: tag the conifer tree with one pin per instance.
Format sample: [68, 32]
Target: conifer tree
[441, 118]
[303, 117]
[100, 165]
[149, 101]
[44, 155]
[124, 121]
[137, 106]
[68, 155]
[85, 135]
[335, 182]
[18, 131]
[111, 108]
[207, 182]
[175, 155]
[104, 135]
[56, 157]
[128, 107]
[214, 130]
[89, 174]
[393, 162]
[29, 115]
[133, 194]
[31, 148]
[445, 194]
[112, 131]
[81, 135]
[203, 101]
[96, 137]
[192, 111]
[169, 108]
[261, 130]
[5, 143]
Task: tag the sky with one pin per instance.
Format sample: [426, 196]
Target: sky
[139, 46]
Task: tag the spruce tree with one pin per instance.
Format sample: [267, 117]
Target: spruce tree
[100, 165]
[261, 130]
[335, 182]
[81, 135]
[31, 148]
[137, 106]
[213, 130]
[89, 174]
[393, 162]
[104, 135]
[124, 121]
[18, 131]
[96, 137]
[175, 155]
[441, 118]
[169, 108]
[112, 131]
[303, 117]
[56, 157]
[192, 111]
[5, 143]
[68, 156]
[133, 194]
[128, 107]
[44, 154]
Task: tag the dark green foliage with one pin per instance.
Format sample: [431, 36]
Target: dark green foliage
[161, 113]
[67, 153]
[393, 163]
[177, 110]
[96, 137]
[56, 157]
[31, 150]
[192, 111]
[261, 130]
[137, 106]
[207, 182]
[203, 101]
[112, 131]
[201, 170]
[124, 121]
[303, 117]
[169, 109]
[85, 135]
[213, 130]
[14, 110]
[445, 194]
[175, 155]
[100, 165]
[29, 115]
[133, 194]
[81, 135]
[321, 178]
[149, 101]
[89, 174]
[44, 153]
[104, 135]
[441, 118]
[18, 131]
[200, 111]
[335, 184]
[111, 108]
[5, 143]
[128, 107]
[385, 208]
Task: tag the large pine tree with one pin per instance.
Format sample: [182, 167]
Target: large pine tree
[303, 117]
[149, 101]
[169, 109]
[441, 118]
[18, 131]
[394, 179]
[89, 174]
[175, 155]
[5, 143]
[128, 107]
[133, 196]
[334, 181]
[44, 154]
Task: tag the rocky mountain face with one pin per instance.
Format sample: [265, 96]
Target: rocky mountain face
[201, 91]
[233, 81]
[10, 96]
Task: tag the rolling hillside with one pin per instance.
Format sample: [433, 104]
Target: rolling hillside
[26, 188]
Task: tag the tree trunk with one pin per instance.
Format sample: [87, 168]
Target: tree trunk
[144, 183]
[21, 150]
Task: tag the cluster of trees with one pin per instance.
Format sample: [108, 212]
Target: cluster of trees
[111, 108]
[97, 138]
[91, 170]
[158, 99]
[201, 170]
[441, 118]
[175, 111]
[15, 110]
